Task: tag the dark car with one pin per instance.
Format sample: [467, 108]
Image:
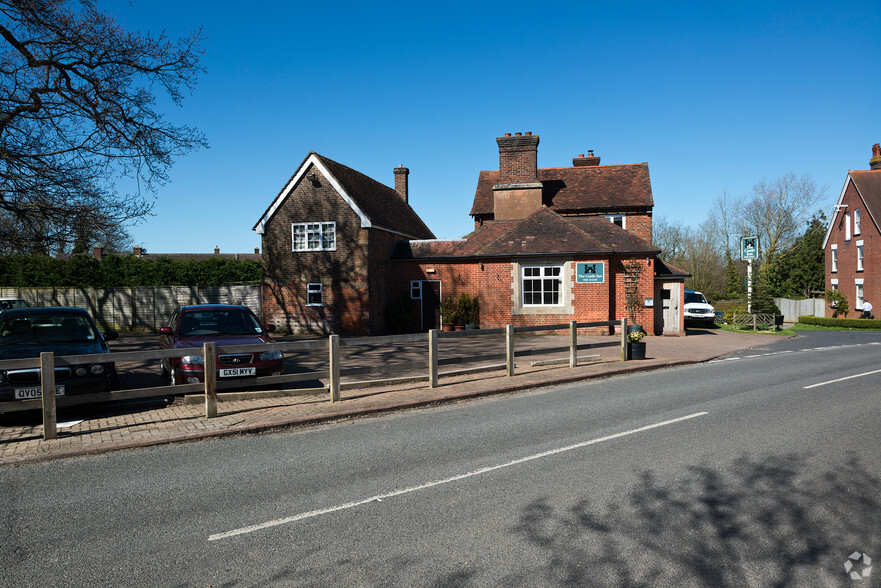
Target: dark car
[27, 332]
[225, 325]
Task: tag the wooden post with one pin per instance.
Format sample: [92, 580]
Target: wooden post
[432, 358]
[624, 339]
[210, 364]
[333, 345]
[47, 381]
[509, 349]
[573, 344]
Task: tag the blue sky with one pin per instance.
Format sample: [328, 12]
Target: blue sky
[714, 96]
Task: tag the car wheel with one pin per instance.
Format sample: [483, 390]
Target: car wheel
[172, 376]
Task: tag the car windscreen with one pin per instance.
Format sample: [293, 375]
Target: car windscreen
[695, 297]
[218, 322]
[46, 328]
[10, 304]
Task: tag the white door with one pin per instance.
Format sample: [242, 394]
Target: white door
[670, 302]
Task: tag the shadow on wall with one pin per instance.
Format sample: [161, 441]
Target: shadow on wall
[760, 522]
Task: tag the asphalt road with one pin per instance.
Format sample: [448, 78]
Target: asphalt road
[758, 470]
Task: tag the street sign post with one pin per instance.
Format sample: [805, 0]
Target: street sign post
[749, 250]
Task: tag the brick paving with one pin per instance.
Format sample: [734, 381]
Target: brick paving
[132, 425]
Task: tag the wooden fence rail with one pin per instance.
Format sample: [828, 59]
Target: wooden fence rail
[47, 362]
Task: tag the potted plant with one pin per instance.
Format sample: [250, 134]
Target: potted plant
[449, 309]
[469, 309]
[635, 345]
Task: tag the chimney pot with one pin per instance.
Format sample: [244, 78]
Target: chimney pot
[875, 162]
[256, 251]
[402, 184]
[517, 134]
[507, 134]
[217, 251]
[528, 133]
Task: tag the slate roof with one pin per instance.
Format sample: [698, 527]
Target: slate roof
[544, 232]
[382, 205]
[580, 189]
[868, 183]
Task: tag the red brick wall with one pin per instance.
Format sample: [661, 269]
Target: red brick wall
[492, 283]
[847, 255]
[342, 273]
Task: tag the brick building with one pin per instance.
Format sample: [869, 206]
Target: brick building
[853, 240]
[549, 246]
[327, 240]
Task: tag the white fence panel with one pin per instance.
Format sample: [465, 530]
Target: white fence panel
[792, 309]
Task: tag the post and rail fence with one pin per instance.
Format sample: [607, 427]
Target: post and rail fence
[47, 362]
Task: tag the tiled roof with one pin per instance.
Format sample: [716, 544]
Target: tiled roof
[581, 189]
[668, 270]
[868, 182]
[382, 204]
[544, 232]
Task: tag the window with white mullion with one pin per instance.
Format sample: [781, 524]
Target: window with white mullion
[541, 285]
[319, 236]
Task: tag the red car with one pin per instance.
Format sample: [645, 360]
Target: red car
[225, 325]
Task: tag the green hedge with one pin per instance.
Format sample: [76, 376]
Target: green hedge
[848, 323]
[121, 271]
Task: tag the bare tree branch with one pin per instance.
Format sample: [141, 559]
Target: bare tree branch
[77, 112]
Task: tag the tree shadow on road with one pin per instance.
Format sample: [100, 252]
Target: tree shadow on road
[759, 522]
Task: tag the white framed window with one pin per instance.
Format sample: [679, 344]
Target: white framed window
[835, 283]
[834, 258]
[856, 222]
[847, 226]
[416, 290]
[313, 236]
[541, 285]
[616, 219]
[859, 300]
[859, 256]
[314, 295]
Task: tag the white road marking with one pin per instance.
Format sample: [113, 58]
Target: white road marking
[842, 379]
[380, 497]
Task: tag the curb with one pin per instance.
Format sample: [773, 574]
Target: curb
[292, 422]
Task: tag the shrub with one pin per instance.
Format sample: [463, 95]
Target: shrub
[849, 323]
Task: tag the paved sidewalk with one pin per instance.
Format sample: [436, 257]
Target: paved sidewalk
[130, 425]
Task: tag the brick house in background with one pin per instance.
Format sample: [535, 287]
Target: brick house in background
[549, 246]
[327, 240]
[853, 240]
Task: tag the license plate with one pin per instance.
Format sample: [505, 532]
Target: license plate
[37, 392]
[237, 372]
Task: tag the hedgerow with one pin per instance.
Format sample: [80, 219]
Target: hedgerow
[849, 323]
[116, 271]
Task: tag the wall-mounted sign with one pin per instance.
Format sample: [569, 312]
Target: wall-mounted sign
[749, 248]
[590, 273]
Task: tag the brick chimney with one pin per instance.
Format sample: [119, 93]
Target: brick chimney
[875, 162]
[582, 161]
[401, 182]
[518, 193]
[97, 252]
[137, 251]
[217, 251]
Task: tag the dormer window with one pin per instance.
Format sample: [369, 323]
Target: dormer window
[616, 219]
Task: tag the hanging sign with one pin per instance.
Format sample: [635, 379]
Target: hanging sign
[749, 248]
[590, 273]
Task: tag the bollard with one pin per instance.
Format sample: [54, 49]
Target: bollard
[509, 349]
[333, 344]
[432, 358]
[573, 344]
[624, 339]
[209, 362]
[47, 382]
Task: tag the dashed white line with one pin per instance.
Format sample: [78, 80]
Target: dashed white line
[381, 497]
[842, 379]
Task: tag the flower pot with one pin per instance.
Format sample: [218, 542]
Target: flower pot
[459, 328]
[636, 350]
[447, 326]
